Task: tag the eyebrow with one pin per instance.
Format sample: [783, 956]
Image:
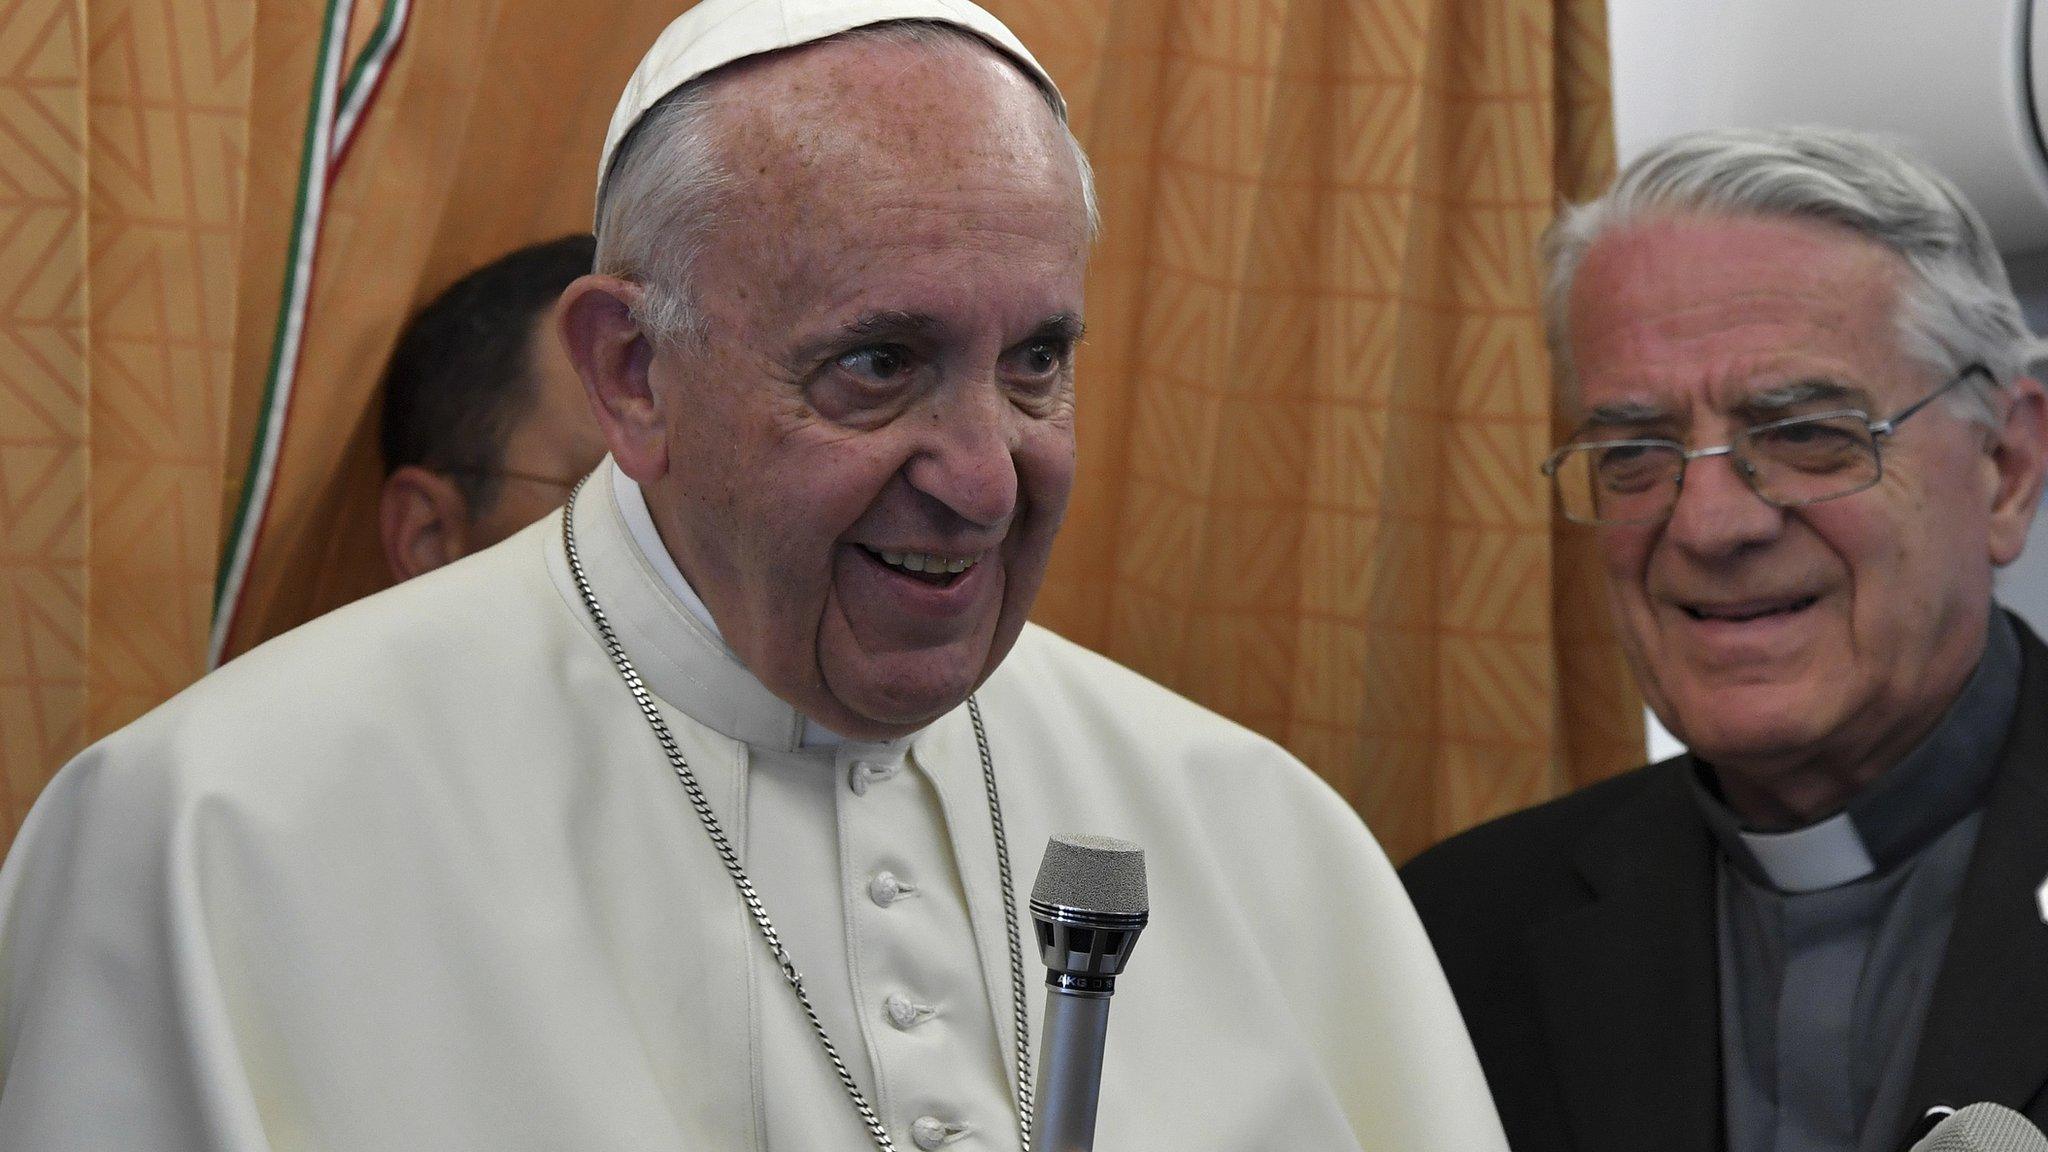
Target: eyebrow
[899, 324]
[1063, 326]
[1757, 407]
[1621, 414]
[890, 323]
[1771, 403]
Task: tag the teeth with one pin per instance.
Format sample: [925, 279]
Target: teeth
[927, 562]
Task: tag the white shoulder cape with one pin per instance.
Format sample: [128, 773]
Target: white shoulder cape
[417, 876]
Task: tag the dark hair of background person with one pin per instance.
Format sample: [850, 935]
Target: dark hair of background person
[460, 379]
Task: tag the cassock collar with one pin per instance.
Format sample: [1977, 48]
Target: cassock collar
[667, 631]
[640, 523]
[1942, 780]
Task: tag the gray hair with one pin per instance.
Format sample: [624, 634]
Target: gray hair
[1956, 307]
[660, 201]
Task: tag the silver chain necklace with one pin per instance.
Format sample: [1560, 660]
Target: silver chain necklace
[745, 886]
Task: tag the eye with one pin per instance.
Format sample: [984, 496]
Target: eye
[1821, 444]
[882, 363]
[1040, 363]
[1628, 468]
[1796, 434]
[1044, 356]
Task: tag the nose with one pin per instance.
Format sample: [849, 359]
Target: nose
[1718, 514]
[966, 460]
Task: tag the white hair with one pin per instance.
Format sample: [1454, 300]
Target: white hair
[661, 198]
[1957, 306]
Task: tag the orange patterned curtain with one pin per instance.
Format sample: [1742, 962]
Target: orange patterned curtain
[1316, 391]
[123, 151]
[1312, 401]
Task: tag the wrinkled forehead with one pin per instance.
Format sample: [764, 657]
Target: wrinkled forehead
[1717, 307]
[879, 176]
[875, 111]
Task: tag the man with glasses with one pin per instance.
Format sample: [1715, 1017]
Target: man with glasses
[1804, 439]
[484, 427]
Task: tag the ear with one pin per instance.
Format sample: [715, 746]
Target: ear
[613, 356]
[423, 520]
[2019, 455]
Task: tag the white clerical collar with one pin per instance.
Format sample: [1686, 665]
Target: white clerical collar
[1915, 802]
[640, 522]
[1816, 857]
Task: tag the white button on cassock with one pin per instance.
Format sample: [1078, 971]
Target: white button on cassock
[905, 1014]
[866, 772]
[885, 889]
[931, 1132]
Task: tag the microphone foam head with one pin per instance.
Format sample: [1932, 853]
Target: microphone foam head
[1984, 1128]
[1096, 873]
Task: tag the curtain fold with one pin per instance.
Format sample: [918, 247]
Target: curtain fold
[1313, 394]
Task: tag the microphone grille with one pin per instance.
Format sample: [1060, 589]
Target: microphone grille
[1096, 873]
[1984, 1128]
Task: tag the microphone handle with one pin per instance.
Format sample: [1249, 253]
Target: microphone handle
[1069, 1072]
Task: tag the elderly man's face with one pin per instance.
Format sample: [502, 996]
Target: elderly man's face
[1776, 640]
[869, 455]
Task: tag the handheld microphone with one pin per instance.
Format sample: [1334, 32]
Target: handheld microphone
[1984, 1128]
[1088, 904]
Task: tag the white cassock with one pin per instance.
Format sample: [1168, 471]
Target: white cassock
[418, 876]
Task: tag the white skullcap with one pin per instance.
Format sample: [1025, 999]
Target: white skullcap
[717, 32]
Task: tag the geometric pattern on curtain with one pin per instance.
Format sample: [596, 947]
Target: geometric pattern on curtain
[1316, 391]
[1312, 400]
[122, 160]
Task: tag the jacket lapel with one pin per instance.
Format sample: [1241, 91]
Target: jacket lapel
[1627, 984]
[1986, 1036]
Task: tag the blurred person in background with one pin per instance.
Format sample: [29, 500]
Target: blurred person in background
[485, 427]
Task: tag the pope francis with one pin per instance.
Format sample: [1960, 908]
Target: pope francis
[694, 817]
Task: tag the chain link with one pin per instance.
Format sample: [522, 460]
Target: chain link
[1027, 1102]
[731, 860]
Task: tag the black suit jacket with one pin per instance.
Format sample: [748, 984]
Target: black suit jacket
[1579, 938]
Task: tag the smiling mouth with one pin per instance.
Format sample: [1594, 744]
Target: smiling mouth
[1754, 610]
[929, 567]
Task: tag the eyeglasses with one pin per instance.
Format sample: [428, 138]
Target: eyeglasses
[1787, 463]
[563, 482]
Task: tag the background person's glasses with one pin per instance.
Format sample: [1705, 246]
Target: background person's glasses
[565, 483]
[1799, 460]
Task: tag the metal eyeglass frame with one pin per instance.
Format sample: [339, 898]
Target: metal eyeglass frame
[1880, 431]
[514, 474]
